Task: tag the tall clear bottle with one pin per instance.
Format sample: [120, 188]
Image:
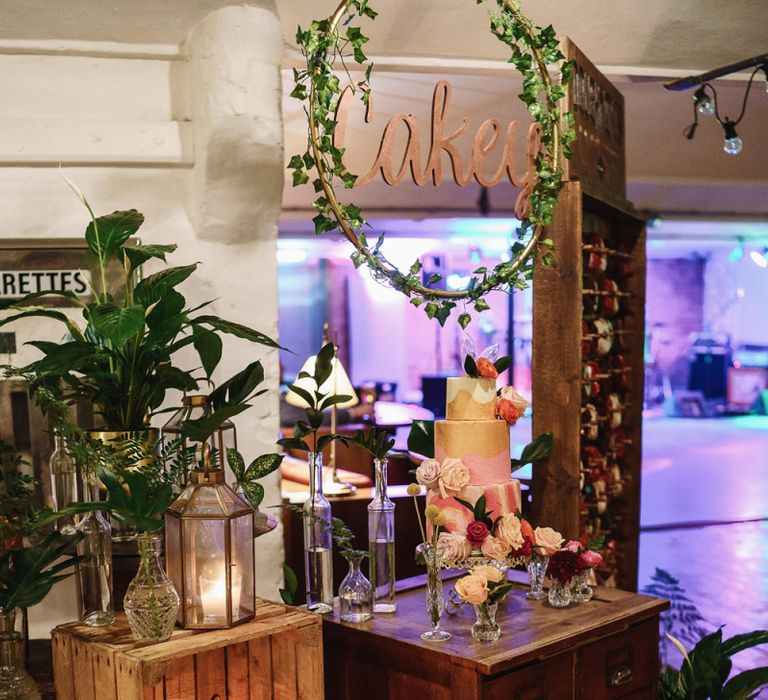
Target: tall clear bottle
[63, 480]
[318, 542]
[94, 572]
[381, 543]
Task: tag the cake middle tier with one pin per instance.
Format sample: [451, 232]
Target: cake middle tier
[482, 445]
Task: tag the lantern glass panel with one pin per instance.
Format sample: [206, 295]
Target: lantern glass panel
[172, 560]
[206, 568]
[242, 539]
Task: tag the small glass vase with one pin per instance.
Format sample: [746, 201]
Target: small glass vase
[15, 682]
[318, 542]
[559, 595]
[94, 572]
[434, 594]
[582, 592]
[486, 629]
[355, 591]
[381, 539]
[63, 480]
[537, 566]
[151, 602]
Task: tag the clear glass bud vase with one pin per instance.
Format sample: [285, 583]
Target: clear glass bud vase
[318, 542]
[63, 480]
[582, 591]
[486, 629]
[537, 566]
[94, 572]
[434, 593]
[15, 682]
[151, 602]
[559, 595]
[381, 543]
[355, 591]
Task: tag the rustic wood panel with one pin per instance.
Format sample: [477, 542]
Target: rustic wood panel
[553, 679]
[260, 668]
[211, 674]
[180, 678]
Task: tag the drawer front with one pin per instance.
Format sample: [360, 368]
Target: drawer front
[552, 679]
[620, 665]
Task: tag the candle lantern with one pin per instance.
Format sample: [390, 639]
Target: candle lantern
[209, 553]
[209, 455]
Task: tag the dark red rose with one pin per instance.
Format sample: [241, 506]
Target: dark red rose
[477, 532]
[564, 565]
[525, 551]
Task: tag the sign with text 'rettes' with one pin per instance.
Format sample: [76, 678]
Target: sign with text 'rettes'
[18, 283]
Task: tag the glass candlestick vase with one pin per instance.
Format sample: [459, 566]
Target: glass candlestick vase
[318, 541]
[15, 682]
[486, 629]
[435, 597]
[151, 602]
[355, 591]
[63, 481]
[381, 543]
[559, 594]
[93, 577]
[537, 566]
[582, 592]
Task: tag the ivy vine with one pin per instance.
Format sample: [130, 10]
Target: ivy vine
[329, 43]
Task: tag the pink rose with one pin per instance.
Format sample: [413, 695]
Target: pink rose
[454, 475]
[509, 530]
[591, 559]
[453, 548]
[548, 539]
[573, 546]
[473, 589]
[494, 548]
[486, 368]
[477, 532]
[428, 472]
[511, 406]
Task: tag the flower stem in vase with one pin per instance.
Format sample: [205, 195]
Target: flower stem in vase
[434, 594]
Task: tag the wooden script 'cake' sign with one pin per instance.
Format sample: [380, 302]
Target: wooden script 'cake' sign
[485, 141]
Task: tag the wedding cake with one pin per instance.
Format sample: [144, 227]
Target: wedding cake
[472, 459]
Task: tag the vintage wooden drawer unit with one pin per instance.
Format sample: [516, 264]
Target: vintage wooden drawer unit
[277, 655]
[607, 648]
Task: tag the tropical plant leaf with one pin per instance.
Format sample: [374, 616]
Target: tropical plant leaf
[470, 366]
[324, 364]
[26, 300]
[293, 443]
[117, 323]
[740, 642]
[264, 465]
[107, 234]
[64, 358]
[167, 278]
[209, 347]
[303, 393]
[288, 593]
[200, 429]
[236, 329]
[329, 401]
[743, 684]
[502, 363]
[537, 449]
[41, 312]
[139, 254]
[421, 438]
[238, 388]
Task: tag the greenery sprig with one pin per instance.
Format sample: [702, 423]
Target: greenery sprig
[330, 42]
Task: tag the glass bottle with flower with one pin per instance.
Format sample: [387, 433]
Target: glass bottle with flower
[315, 392]
[484, 588]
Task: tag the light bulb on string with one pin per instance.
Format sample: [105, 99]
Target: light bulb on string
[704, 103]
[732, 144]
[760, 258]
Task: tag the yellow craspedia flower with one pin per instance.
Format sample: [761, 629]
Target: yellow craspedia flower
[431, 512]
[414, 490]
[440, 519]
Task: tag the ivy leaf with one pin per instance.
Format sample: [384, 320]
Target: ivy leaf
[464, 320]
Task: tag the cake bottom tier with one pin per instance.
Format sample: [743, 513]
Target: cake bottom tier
[500, 499]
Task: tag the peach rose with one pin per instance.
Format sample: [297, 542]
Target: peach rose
[428, 472]
[486, 368]
[454, 475]
[489, 573]
[511, 406]
[548, 539]
[509, 530]
[473, 589]
[452, 547]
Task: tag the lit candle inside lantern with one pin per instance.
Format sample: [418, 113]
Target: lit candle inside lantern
[213, 593]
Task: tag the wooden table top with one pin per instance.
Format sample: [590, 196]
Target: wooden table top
[530, 629]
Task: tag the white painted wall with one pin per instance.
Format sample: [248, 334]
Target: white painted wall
[142, 132]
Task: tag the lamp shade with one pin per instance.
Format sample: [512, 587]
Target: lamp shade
[337, 384]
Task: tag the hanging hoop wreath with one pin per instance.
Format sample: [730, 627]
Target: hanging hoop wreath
[325, 46]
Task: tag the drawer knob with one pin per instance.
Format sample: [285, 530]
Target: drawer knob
[621, 676]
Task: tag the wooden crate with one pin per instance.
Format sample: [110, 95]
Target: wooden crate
[559, 293]
[277, 656]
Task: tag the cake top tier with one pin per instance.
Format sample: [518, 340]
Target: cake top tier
[468, 398]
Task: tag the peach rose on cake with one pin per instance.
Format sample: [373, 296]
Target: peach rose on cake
[428, 473]
[486, 369]
[511, 406]
[473, 589]
[454, 475]
[494, 548]
[489, 573]
[510, 531]
[452, 547]
[548, 540]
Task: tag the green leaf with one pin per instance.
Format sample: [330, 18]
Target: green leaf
[236, 463]
[238, 388]
[324, 364]
[502, 363]
[464, 320]
[480, 513]
[209, 347]
[64, 358]
[293, 444]
[110, 232]
[421, 438]
[740, 642]
[117, 323]
[200, 429]
[139, 254]
[146, 290]
[536, 450]
[41, 312]
[264, 465]
[466, 504]
[236, 329]
[291, 585]
[329, 401]
[303, 393]
[743, 684]
[470, 367]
